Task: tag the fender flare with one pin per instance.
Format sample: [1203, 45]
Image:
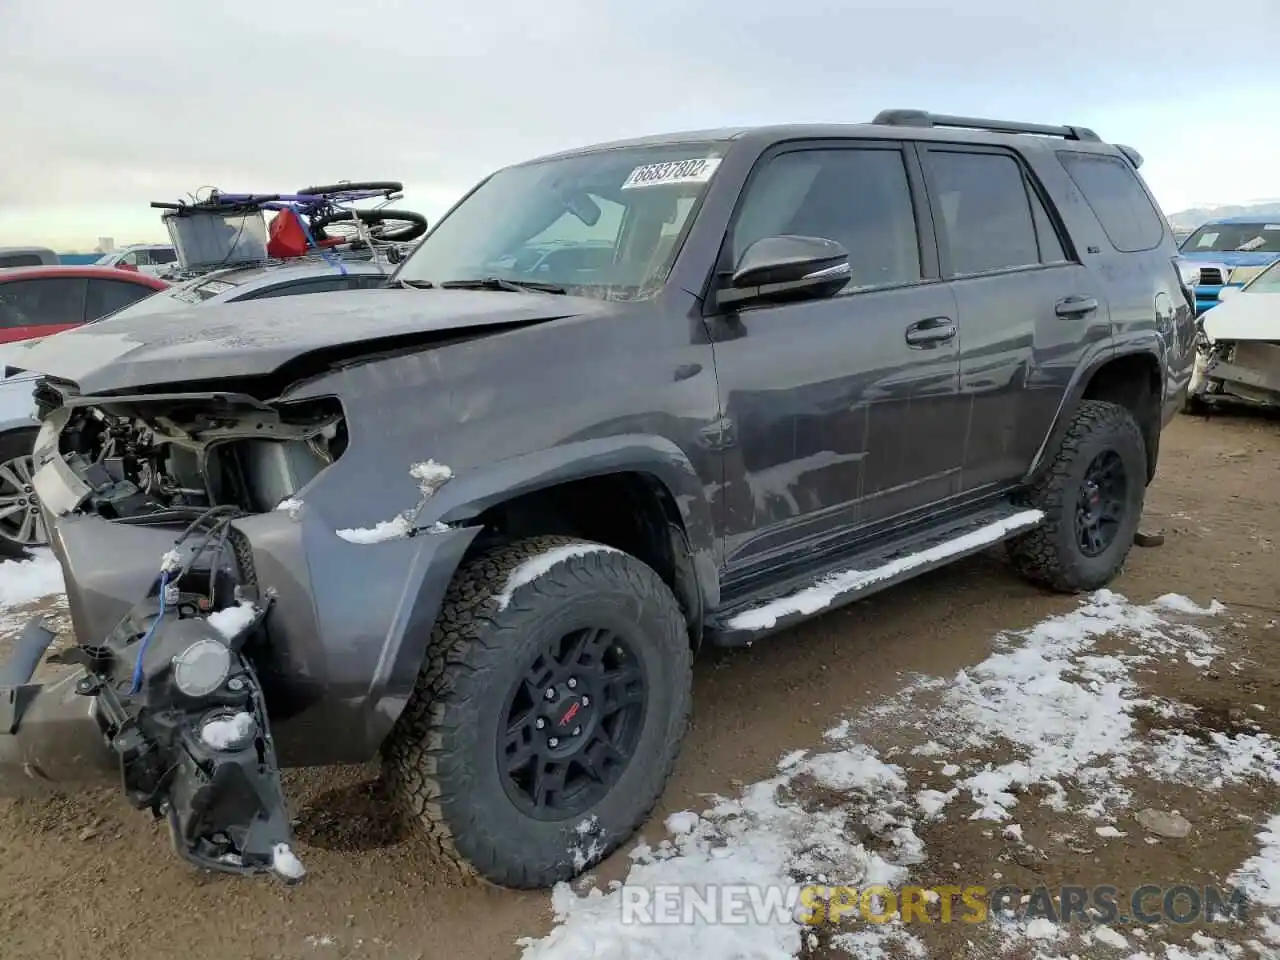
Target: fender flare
[1144, 345]
[470, 494]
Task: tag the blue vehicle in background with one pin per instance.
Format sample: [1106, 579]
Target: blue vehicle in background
[1229, 253]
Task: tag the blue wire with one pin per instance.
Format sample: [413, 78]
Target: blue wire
[146, 639]
[333, 261]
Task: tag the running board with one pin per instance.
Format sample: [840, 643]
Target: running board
[746, 619]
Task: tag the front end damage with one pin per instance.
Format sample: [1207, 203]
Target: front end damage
[1236, 371]
[224, 629]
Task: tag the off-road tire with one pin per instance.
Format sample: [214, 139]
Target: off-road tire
[441, 760]
[1049, 555]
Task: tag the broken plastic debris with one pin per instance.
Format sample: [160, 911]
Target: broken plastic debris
[285, 863]
[231, 621]
[227, 732]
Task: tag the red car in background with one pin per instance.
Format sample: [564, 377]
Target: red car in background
[39, 301]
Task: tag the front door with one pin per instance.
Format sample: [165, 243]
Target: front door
[837, 410]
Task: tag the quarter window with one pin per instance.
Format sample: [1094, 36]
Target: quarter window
[1114, 193]
[860, 198]
[108, 296]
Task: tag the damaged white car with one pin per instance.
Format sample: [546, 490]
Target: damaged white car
[1238, 356]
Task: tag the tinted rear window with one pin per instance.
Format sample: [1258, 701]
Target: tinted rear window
[1113, 191]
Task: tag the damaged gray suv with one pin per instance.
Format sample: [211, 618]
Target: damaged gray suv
[621, 402]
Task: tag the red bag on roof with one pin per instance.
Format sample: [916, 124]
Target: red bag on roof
[285, 236]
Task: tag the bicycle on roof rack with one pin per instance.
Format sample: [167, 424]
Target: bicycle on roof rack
[229, 229]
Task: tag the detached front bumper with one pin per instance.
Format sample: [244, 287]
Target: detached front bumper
[48, 733]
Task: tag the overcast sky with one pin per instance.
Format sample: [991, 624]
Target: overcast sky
[104, 106]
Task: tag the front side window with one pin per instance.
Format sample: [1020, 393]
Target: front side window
[986, 211]
[48, 301]
[860, 198]
[605, 224]
[1234, 237]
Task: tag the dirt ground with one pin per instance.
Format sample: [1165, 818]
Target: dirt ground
[87, 876]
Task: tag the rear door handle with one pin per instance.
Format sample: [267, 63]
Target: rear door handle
[927, 333]
[1075, 306]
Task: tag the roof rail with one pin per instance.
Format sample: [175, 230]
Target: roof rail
[923, 118]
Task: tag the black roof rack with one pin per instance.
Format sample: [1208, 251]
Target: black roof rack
[923, 118]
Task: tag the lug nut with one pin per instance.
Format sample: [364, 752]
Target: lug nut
[550, 694]
[572, 684]
[553, 742]
[577, 730]
[539, 723]
[586, 701]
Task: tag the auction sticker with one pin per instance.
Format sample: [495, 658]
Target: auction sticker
[673, 171]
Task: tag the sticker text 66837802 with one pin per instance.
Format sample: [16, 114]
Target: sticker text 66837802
[698, 170]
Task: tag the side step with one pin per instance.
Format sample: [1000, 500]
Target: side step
[748, 618]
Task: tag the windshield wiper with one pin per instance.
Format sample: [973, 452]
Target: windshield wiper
[497, 283]
[414, 284]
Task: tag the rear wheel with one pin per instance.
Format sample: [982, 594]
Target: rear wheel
[549, 711]
[1092, 497]
[389, 226]
[21, 523]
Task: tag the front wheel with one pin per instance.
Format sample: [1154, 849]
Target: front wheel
[549, 711]
[389, 226]
[21, 523]
[1092, 497]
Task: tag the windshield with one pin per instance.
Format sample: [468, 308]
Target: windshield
[1268, 281]
[605, 224]
[1231, 237]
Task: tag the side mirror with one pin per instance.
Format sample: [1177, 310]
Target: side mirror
[789, 266]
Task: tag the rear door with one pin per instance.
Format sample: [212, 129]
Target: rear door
[1027, 307]
[40, 306]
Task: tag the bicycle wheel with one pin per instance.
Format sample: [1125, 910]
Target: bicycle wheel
[390, 226]
[371, 186]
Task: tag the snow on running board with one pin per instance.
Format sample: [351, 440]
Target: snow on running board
[542, 564]
[823, 593]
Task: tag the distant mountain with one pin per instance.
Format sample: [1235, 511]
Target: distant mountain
[1190, 219]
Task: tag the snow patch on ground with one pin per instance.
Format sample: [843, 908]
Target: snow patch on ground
[1053, 694]
[22, 581]
[823, 593]
[543, 564]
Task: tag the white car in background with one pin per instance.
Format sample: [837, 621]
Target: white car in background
[1239, 351]
[153, 259]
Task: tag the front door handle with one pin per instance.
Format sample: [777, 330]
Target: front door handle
[932, 331]
[1075, 306]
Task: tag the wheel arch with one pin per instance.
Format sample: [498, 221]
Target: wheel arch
[1130, 377]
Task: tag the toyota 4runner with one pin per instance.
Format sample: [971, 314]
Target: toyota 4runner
[621, 402]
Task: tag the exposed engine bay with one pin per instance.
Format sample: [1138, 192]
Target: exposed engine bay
[1238, 370]
[177, 695]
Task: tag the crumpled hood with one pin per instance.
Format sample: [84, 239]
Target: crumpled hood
[1232, 258]
[256, 338]
[1246, 316]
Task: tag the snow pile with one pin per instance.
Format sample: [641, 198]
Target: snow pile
[382, 531]
[229, 731]
[824, 593]
[764, 840]
[542, 564]
[231, 621]
[431, 476]
[22, 581]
